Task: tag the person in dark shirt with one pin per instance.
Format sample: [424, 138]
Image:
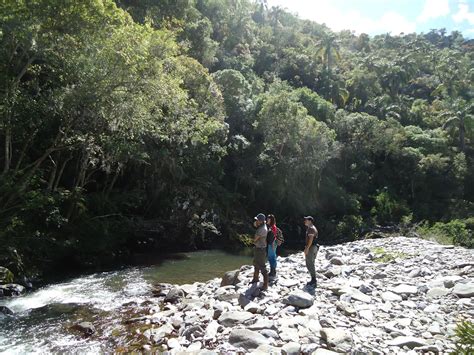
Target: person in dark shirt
[311, 248]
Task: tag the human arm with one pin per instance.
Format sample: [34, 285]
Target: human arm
[311, 236]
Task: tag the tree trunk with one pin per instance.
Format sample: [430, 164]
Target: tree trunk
[462, 134]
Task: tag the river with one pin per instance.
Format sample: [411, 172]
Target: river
[43, 318]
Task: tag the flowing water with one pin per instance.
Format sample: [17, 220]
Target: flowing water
[43, 319]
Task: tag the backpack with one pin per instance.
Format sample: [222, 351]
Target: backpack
[280, 238]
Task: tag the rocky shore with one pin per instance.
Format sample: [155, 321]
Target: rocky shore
[393, 295]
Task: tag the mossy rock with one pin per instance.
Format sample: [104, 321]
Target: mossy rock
[6, 276]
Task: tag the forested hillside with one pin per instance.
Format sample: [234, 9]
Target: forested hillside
[171, 123]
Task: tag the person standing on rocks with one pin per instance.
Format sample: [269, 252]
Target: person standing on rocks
[260, 253]
[274, 239]
[311, 248]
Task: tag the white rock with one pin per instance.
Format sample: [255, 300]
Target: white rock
[299, 299]
[391, 297]
[410, 342]
[464, 289]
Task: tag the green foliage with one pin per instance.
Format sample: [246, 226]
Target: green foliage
[453, 232]
[389, 210]
[383, 256]
[464, 338]
[192, 115]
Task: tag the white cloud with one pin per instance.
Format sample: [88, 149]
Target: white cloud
[323, 11]
[463, 13]
[434, 9]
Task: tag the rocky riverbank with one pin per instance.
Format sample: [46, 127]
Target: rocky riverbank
[391, 295]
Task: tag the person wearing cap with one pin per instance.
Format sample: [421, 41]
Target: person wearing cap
[260, 250]
[311, 248]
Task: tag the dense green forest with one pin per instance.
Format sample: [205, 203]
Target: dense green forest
[129, 125]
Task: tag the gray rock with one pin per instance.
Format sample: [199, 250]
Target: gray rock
[299, 299]
[380, 276]
[291, 348]
[336, 261]
[270, 333]
[333, 272]
[464, 290]
[405, 289]
[437, 292]
[346, 308]
[230, 319]
[262, 323]
[247, 339]
[6, 311]
[174, 295]
[157, 334]
[391, 297]
[243, 300]
[12, 290]
[410, 342]
[230, 278]
[86, 328]
[337, 338]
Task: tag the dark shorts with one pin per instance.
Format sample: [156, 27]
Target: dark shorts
[260, 258]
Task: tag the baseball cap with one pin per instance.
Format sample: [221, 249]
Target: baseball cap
[260, 217]
[309, 218]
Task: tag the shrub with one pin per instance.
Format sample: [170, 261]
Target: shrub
[388, 210]
[453, 232]
[465, 338]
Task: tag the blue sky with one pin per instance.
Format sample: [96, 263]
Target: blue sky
[382, 16]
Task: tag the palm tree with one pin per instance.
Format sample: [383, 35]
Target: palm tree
[328, 49]
[461, 116]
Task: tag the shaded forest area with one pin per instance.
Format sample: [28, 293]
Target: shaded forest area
[133, 125]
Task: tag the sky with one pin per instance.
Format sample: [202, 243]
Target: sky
[382, 16]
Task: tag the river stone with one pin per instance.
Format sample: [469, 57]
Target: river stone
[336, 261]
[262, 323]
[391, 297]
[405, 289]
[6, 311]
[437, 292]
[194, 347]
[253, 307]
[291, 348]
[299, 299]
[86, 328]
[337, 338]
[173, 343]
[333, 272]
[247, 339]
[174, 295]
[464, 290]
[410, 342]
[229, 319]
[211, 330]
[230, 278]
[243, 300]
[346, 308]
[157, 334]
[12, 290]
[6, 276]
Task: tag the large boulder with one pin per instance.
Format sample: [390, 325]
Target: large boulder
[299, 299]
[247, 339]
[230, 319]
[6, 276]
[464, 290]
[230, 278]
